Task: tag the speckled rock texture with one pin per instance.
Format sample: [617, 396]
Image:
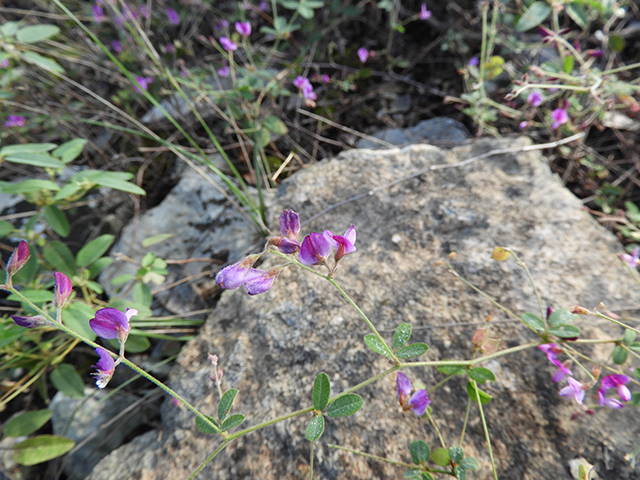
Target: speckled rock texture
[272, 346]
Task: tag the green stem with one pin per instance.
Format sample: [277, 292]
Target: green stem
[311, 462]
[602, 315]
[382, 459]
[433, 423]
[533, 284]
[195, 473]
[486, 430]
[466, 421]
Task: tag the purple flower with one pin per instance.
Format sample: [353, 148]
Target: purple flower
[18, 258]
[552, 350]
[315, 249]
[562, 371]
[325, 78]
[363, 54]
[300, 81]
[4, 63]
[632, 260]
[233, 276]
[222, 24]
[243, 28]
[173, 16]
[144, 11]
[618, 381]
[228, 45]
[262, 6]
[474, 62]
[129, 13]
[289, 224]
[259, 281]
[304, 85]
[424, 13]
[14, 121]
[98, 13]
[224, 71]
[115, 45]
[559, 116]
[534, 99]
[595, 53]
[523, 125]
[344, 244]
[573, 390]
[63, 289]
[142, 83]
[111, 323]
[607, 402]
[105, 366]
[418, 402]
[30, 322]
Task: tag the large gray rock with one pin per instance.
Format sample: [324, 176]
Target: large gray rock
[272, 346]
[442, 131]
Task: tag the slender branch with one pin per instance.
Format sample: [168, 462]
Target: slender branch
[195, 473]
[486, 430]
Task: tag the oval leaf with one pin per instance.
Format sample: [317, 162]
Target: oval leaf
[232, 421]
[469, 463]
[533, 321]
[36, 296]
[420, 452]
[578, 14]
[376, 345]
[76, 316]
[401, 335]
[481, 375]
[484, 397]
[565, 331]
[411, 351]
[225, 403]
[452, 369]
[35, 159]
[456, 454]
[629, 337]
[58, 255]
[204, 427]
[161, 237]
[345, 405]
[561, 316]
[460, 473]
[57, 220]
[70, 150]
[43, 62]
[315, 428]
[440, 456]
[619, 355]
[37, 33]
[5, 228]
[93, 250]
[26, 423]
[534, 16]
[40, 449]
[321, 391]
[67, 380]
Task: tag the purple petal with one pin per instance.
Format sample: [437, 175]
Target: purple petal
[289, 246]
[404, 385]
[227, 44]
[314, 249]
[290, 223]
[233, 276]
[30, 322]
[625, 394]
[18, 258]
[109, 323]
[259, 281]
[419, 402]
[363, 54]
[559, 375]
[243, 28]
[105, 366]
[63, 289]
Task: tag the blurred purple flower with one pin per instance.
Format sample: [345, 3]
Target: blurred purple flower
[607, 402]
[243, 28]
[98, 13]
[262, 6]
[173, 16]
[304, 85]
[325, 78]
[618, 381]
[424, 13]
[63, 289]
[523, 125]
[115, 45]
[595, 53]
[228, 45]
[224, 71]
[129, 13]
[474, 62]
[14, 121]
[106, 366]
[315, 249]
[632, 260]
[344, 244]
[559, 117]
[573, 390]
[552, 350]
[562, 371]
[232, 276]
[534, 99]
[144, 11]
[222, 24]
[259, 281]
[418, 402]
[31, 322]
[111, 323]
[142, 83]
[18, 258]
[363, 54]
[4, 63]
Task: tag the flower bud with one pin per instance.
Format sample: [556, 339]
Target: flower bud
[18, 258]
[63, 289]
[579, 310]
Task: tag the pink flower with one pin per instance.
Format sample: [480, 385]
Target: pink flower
[315, 249]
[63, 289]
[173, 16]
[618, 381]
[325, 78]
[111, 323]
[363, 54]
[418, 402]
[18, 258]
[523, 125]
[4, 63]
[142, 83]
[290, 230]
[552, 350]
[222, 24]
[98, 13]
[144, 11]
[559, 117]
[106, 367]
[304, 85]
[224, 71]
[228, 45]
[573, 390]
[243, 28]
[233, 276]
[632, 260]
[424, 13]
[344, 244]
[115, 45]
[607, 402]
[534, 99]
[14, 121]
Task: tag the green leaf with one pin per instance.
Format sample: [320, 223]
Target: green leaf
[629, 337]
[533, 321]
[616, 43]
[315, 428]
[9, 29]
[204, 427]
[93, 250]
[565, 331]
[561, 316]
[35, 159]
[635, 399]
[10, 333]
[57, 220]
[460, 473]
[481, 375]
[619, 355]
[567, 64]
[41, 449]
[456, 454]
[420, 452]
[155, 239]
[67, 190]
[99, 265]
[275, 125]
[484, 397]
[122, 304]
[70, 150]
[124, 278]
[426, 476]
[534, 16]
[36, 296]
[96, 287]
[635, 346]
[67, 380]
[232, 421]
[5, 228]
[345, 405]
[225, 403]
[27, 148]
[26, 423]
[321, 391]
[376, 345]
[305, 12]
[135, 343]
[412, 474]
[58, 255]
[43, 62]
[142, 294]
[115, 180]
[30, 186]
[578, 14]
[401, 335]
[452, 369]
[441, 457]
[76, 316]
[36, 33]
[469, 463]
[411, 351]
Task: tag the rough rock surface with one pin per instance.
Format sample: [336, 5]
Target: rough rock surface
[441, 131]
[271, 346]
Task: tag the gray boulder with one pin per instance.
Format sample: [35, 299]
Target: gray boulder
[271, 346]
[441, 131]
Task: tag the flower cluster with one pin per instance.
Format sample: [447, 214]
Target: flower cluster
[417, 401]
[14, 121]
[304, 85]
[614, 381]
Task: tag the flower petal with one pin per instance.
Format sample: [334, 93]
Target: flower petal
[259, 281]
[404, 385]
[419, 402]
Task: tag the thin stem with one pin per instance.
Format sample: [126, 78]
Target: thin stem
[311, 462]
[195, 473]
[436, 428]
[439, 384]
[602, 315]
[486, 430]
[533, 284]
[584, 369]
[382, 459]
[466, 421]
